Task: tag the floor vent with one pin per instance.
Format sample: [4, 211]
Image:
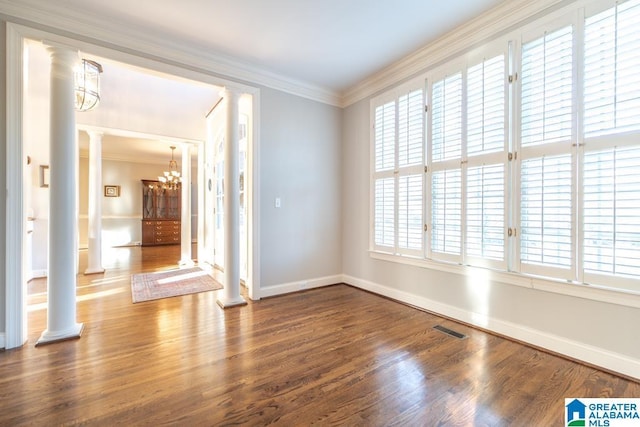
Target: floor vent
[450, 332]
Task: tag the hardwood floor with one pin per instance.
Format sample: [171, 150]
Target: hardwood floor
[331, 356]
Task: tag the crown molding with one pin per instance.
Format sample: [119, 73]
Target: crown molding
[484, 27]
[155, 45]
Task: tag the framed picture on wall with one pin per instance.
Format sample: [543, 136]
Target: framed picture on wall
[111, 191]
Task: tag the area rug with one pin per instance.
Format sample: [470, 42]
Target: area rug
[171, 283]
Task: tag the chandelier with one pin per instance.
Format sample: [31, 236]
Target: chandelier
[171, 178]
[87, 85]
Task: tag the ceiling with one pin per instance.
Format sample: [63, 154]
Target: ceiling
[331, 44]
[141, 113]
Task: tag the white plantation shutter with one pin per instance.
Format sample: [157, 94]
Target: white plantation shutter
[384, 221]
[485, 212]
[385, 136]
[385, 154]
[487, 95]
[611, 77]
[546, 213]
[446, 118]
[486, 90]
[446, 178]
[411, 129]
[611, 159]
[547, 88]
[398, 173]
[547, 165]
[528, 157]
[612, 212]
[410, 223]
[446, 208]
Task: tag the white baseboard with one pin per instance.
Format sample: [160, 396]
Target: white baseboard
[574, 349]
[38, 274]
[301, 285]
[2, 340]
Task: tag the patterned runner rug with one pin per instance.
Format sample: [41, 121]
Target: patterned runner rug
[171, 283]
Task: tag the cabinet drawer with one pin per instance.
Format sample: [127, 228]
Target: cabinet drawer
[167, 233]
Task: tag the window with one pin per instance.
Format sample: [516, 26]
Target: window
[611, 159]
[446, 176]
[531, 153]
[547, 116]
[399, 172]
[486, 160]
[612, 81]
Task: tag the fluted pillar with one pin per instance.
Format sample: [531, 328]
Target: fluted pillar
[230, 295]
[202, 188]
[61, 304]
[95, 204]
[185, 227]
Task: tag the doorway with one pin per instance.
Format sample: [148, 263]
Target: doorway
[17, 210]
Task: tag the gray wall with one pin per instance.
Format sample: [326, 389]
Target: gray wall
[603, 325]
[299, 163]
[3, 175]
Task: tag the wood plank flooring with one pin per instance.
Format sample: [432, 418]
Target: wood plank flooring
[331, 356]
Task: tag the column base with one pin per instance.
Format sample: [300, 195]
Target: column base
[236, 302]
[94, 271]
[186, 263]
[50, 337]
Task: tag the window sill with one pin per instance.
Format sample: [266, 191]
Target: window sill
[580, 290]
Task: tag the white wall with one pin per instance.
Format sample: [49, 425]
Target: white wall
[588, 329]
[300, 164]
[121, 216]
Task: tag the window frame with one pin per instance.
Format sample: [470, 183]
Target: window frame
[397, 171]
[618, 290]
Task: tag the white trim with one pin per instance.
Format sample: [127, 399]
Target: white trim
[2, 340]
[574, 349]
[477, 31]
[39, 274]
[15, 296]
[300, 285]
[585, 291]
[136, 217]
[155, 44]
[253, 194]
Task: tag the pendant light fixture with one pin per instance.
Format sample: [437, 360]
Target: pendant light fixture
[87, 85]
[171, 178]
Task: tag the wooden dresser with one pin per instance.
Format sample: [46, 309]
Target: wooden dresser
[160, 232]
[161, 209]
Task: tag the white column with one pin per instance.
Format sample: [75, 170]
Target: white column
[185, 225]
[230, 295]
[61, 307]
[202, 185]
[95, 204]
[210, 194]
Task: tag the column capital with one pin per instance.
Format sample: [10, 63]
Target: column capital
[62, 51]
[95, 134]
[231, 91]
